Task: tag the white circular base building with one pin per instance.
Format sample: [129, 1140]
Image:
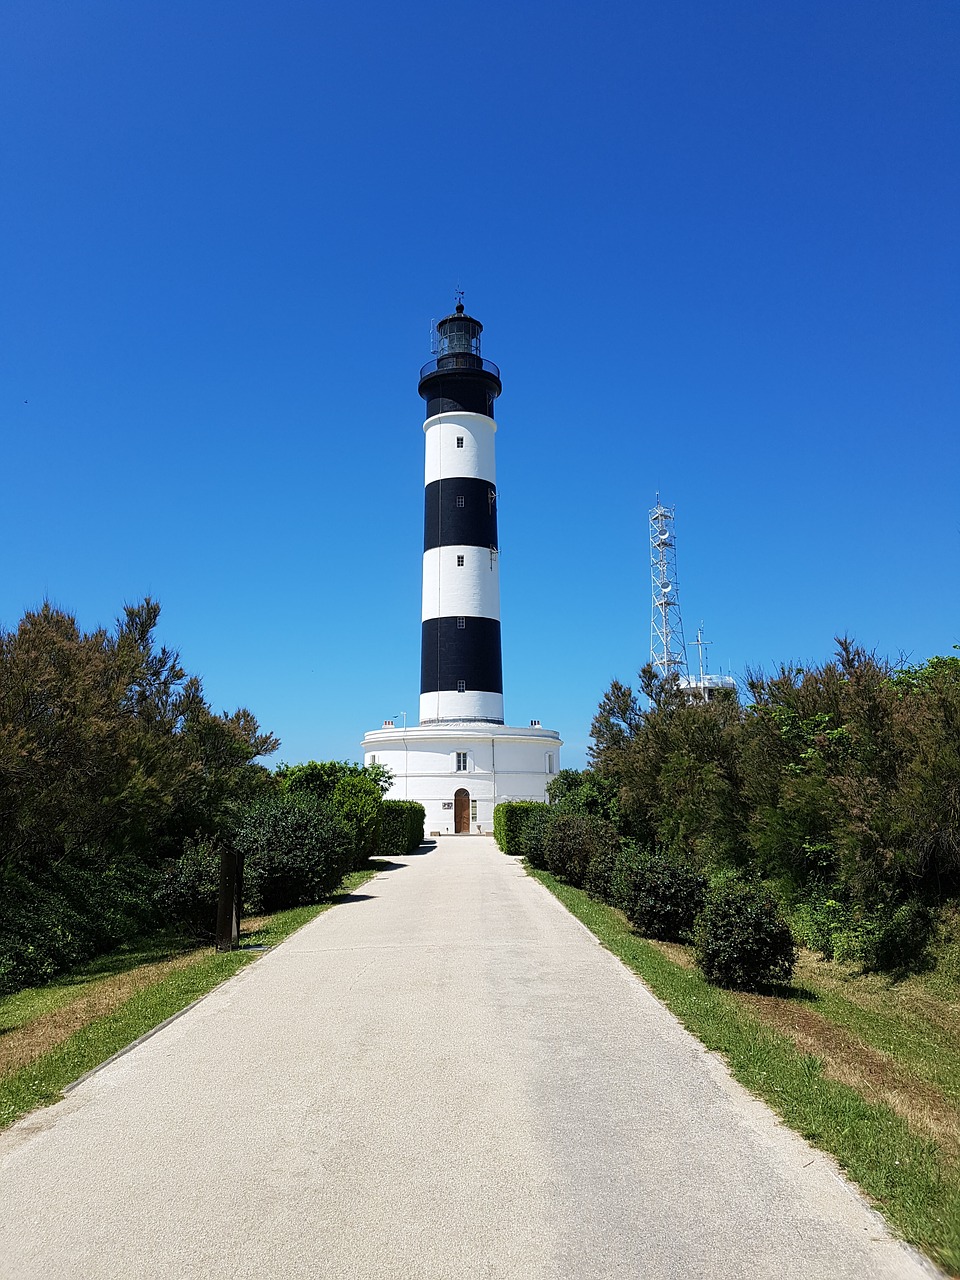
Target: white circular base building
[459, 771]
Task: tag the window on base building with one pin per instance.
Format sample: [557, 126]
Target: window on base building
[459, 562]
[473, 810]
[461, 623]
[461, 686]
[461, 762]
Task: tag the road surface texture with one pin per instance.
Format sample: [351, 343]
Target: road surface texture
[446, 1076]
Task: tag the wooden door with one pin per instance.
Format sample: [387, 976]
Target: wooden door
[461, 812]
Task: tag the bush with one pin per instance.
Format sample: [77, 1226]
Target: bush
[69, 913]
[401, 827]
[189, 888]
[601, 873]
[316, 778]
[358, 801]
[897, 941]
[621, 873]
[824, 925]
[416, 817]
[509, 818]
[660, 894]
[533, 834]
[296, 850]
[742, 940]
[572, 841]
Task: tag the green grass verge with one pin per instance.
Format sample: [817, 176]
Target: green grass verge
[905, 1176]
[928, 1051]
[43, 1081]
[32, 1002]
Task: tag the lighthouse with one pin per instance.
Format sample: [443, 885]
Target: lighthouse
[462, 758]
[461, 676]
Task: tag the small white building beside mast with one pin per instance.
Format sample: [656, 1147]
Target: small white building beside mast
[462, 759]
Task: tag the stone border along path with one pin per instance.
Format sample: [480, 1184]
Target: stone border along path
[447, 1076]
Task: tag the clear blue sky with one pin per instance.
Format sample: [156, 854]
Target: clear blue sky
[715, 251]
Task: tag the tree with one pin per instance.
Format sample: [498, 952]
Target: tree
[105, 742]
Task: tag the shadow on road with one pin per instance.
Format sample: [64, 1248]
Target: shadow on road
[427, 847]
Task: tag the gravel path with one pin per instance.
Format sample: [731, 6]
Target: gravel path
[445, 1077]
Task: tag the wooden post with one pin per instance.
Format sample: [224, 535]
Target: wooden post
[228, 907]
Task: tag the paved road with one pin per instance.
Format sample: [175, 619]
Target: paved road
[446, 1077]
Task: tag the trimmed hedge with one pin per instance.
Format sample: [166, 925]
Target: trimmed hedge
[297, 850]
[401, 827]
[573, 841]
[533, 834]
[358, 802]
[509, 819]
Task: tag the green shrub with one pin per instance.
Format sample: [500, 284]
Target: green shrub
[741, 938]
[296, 850]
[897, 940]
[532, 840]
[823, 925]
[509, 818]
[850, 944]
[189, 888]
[355, 791]
[660, 894]
[416, 818]
[601, 872]
[316, 778]
[69, 913]
[358, 800]
[620, 880]
[572, 841]
[401, 827]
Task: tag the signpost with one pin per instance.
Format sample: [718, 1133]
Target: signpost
[230, 903]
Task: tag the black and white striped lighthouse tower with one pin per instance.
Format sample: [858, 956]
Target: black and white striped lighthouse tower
[460, 663]
[461, 760]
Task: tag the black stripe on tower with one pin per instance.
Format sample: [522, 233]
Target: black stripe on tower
[451, 654]
[459, 512]
[461, 391]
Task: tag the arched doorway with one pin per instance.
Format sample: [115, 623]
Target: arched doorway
[461, 811]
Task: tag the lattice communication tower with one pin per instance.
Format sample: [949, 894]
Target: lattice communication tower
[668, 653]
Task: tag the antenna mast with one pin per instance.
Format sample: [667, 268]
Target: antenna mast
[668, 653]
[700, 642]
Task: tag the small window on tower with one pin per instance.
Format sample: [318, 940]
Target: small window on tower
[459, 562]
[461, 762]
[459, 499]
[461, 623]
[461, 686]
[459, 442]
